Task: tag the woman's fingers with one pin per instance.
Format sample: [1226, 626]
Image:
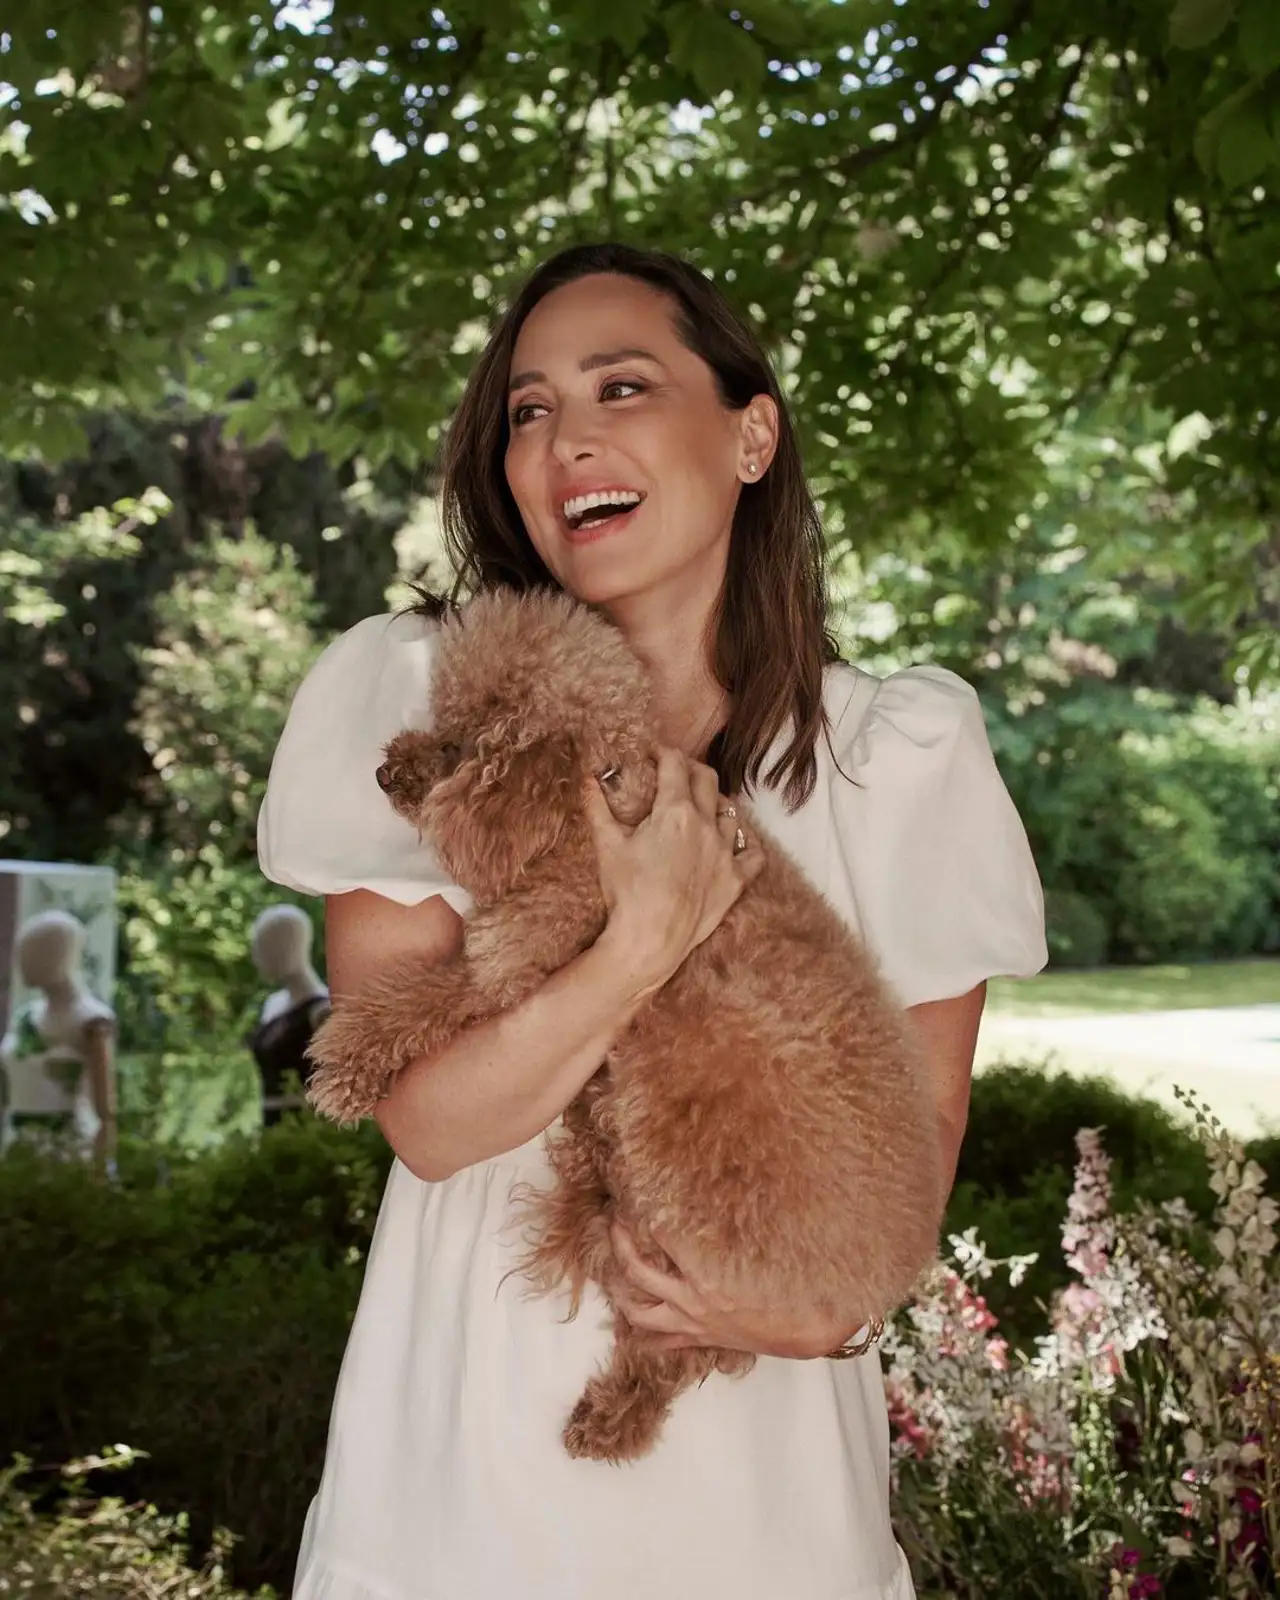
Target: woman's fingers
[673, 776]
[704, 786]
[653, 1316]
[651, 1281]
[729, 820]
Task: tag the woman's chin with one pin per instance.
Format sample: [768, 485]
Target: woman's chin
[598, 582]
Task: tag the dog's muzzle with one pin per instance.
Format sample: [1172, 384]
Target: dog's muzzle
[383, 775]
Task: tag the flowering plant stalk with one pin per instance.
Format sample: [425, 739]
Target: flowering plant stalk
[1135, 1450]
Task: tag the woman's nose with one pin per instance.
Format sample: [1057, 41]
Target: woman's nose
[573, 436]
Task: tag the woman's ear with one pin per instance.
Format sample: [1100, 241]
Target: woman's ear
[759, 437]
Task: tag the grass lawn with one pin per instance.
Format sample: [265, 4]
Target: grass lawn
[1203, 986]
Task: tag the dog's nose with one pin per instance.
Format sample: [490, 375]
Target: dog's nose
[383, 775]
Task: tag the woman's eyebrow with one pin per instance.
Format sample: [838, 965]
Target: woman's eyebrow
[602, 358]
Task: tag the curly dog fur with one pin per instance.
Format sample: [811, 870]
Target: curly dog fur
[766, 1108]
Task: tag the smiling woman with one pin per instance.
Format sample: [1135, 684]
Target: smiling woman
[619, 369]
[623, 438]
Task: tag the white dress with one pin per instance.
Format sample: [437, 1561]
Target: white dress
[445, 1478]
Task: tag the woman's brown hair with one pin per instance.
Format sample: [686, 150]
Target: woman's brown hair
[771, 636]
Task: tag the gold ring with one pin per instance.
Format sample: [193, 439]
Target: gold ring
[729, 811]
[739, 842]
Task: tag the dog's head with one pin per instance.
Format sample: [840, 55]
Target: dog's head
[531, 695]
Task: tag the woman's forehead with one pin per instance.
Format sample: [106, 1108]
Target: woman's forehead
[603, 313]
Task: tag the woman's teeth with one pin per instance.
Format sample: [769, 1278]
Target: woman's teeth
[597, 507]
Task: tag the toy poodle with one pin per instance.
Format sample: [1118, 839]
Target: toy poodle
[766, 1108]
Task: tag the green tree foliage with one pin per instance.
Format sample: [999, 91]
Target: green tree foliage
[234, 638]
[79, 602]
[958, 224]
[1158, 807]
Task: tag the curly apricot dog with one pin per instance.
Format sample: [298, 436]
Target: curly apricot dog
[765, 1109]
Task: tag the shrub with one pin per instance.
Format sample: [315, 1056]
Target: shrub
[187, 976]
[1235, 770]
[197, 1311]
[1178, 888]
[1167, 824]
[88, 1548]
[1023, 1121]
[1076, 930]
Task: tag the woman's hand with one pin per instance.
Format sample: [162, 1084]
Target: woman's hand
[686, 1316]
[668, 882]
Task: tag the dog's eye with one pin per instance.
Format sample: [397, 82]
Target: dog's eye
[450, 754]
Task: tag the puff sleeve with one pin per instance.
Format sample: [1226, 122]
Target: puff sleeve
[936, 856]
[324, 826]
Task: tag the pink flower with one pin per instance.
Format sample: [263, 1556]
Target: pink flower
[907, 1428]
[1079, 1304]
[1125, 1560]
[1088, 1236]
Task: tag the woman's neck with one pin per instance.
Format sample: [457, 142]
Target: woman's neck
[689, 705]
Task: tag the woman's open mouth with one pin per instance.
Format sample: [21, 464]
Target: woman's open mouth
[588, 516]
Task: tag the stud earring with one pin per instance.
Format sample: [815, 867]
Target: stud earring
[752, 468]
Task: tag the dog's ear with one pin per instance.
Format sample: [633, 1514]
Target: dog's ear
[515, 809]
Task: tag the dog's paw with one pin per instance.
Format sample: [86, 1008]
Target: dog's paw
[614, 1423]
[339, 1042]
[340, 1097]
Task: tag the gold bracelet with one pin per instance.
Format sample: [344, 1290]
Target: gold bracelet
[851, 1347]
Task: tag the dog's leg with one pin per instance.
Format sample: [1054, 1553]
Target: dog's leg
[415, 1009]
[623, 1408]
[412, 1009]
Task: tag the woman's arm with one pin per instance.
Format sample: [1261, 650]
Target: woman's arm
[502, 1081]
[948, 1031]
[666, 884]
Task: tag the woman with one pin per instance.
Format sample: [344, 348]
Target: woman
[622, 436]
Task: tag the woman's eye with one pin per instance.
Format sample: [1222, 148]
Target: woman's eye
[526, 413]
[620, 389]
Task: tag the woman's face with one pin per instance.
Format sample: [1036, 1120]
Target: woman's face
[607, 405]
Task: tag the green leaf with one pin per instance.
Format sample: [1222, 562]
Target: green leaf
[780, 21]
[1195, 23]
[717, 54]
[1209, 132]
[1245, 147]
[598, 20]
[1258, 43]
